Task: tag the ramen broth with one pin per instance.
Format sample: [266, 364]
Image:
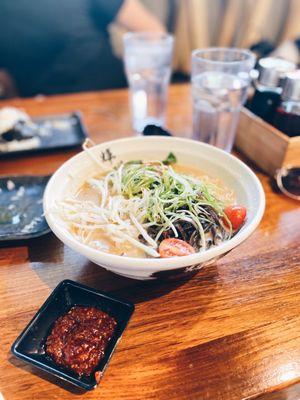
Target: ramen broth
[101, 240]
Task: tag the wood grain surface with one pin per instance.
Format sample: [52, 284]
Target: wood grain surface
[270, 148]
[230, 332]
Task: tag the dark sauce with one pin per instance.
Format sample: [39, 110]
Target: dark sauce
[287, 122]
[264, 104]
[79, 338]
[291, 181]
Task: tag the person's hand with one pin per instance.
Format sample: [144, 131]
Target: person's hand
[135, 17]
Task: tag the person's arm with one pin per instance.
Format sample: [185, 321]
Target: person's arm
[134, 16]
[131, 14]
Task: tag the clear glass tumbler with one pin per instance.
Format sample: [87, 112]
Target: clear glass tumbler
[148, 59]
[220, 79]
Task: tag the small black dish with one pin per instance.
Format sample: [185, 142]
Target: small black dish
[154, 130]
[21, 207]
[29, 346]
[55, 132]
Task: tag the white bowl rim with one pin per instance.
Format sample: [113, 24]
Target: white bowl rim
[155, 264]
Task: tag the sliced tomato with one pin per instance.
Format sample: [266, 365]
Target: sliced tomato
[173, 247]
[236, 215]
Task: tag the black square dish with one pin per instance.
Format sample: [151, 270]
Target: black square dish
[21, 207]
[29, 346]
[55, 132]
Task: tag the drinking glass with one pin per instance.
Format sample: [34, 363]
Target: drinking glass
[220, 79]
[147, 58]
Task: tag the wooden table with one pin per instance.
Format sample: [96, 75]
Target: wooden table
[231, 332]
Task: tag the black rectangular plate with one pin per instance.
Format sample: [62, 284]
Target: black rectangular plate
[73, 134]
[29, 346]
[21, 208]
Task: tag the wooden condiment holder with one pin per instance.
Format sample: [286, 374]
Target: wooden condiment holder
[265, 145]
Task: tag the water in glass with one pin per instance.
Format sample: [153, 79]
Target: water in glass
[148, 73]
[217, 98]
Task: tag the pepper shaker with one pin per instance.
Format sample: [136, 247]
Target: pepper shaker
[268, 86]
[287, 116]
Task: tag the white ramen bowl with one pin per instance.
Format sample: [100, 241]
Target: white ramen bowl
[211, 160]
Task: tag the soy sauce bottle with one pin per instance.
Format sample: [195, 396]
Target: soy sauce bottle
[287, 116]
[268, 86]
